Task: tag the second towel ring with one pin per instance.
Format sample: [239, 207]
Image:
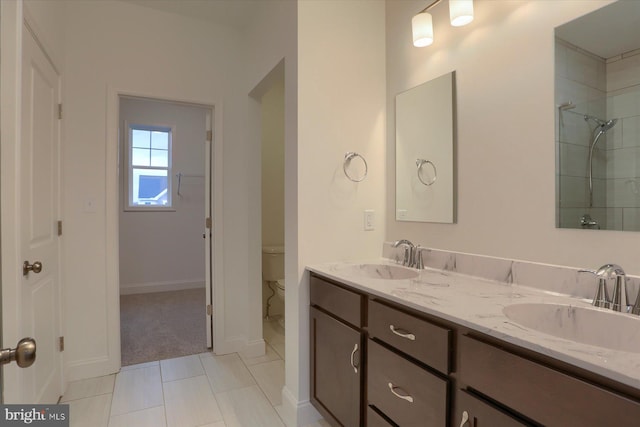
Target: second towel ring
[419, 164]
[347, 160]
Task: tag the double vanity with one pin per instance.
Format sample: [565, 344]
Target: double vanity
[469, 341]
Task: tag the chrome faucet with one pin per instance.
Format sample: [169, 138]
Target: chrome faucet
[408, 251]
[619, 301]
[412, 254]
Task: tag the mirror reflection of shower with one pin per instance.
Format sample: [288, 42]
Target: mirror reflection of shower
[597, 68]
[586, 130]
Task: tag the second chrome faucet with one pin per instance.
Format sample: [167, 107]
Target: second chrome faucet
[619, 300]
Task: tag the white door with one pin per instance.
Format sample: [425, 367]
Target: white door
[39, 213]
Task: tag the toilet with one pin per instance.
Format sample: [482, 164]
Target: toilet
[273, 271]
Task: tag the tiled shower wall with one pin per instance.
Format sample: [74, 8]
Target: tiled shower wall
[581, 80]
[623, 146]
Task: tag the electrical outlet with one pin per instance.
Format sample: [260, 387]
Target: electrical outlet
[369, 220]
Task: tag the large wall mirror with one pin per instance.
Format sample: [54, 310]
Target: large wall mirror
[597, 106]
[425, 164]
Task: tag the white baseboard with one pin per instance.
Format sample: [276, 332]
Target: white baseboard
[90, 368]
[144, 288]
[255, 348]
[295, 413]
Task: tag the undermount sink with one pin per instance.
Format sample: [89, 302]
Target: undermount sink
[380, 271]
[608, 329]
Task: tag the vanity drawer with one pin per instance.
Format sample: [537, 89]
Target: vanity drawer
[481, 413]
[340, 302]
[376, 420]
[390, 376]
[422, 340]
[543, 394]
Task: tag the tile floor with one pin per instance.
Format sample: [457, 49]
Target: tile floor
[202, 390]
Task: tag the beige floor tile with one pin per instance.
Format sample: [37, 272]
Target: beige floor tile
[90, 412]
[269, 355]
[247, 407]
[140, 365]
[152, 417]
[270, 378]
[181, 368]
[278, 347]
[137, 389]
[226, 372]
[88, 388]
[190, 403]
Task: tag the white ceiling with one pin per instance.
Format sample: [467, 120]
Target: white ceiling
[223, 12]
[607, 32]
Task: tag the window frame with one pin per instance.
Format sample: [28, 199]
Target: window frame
[128, 176]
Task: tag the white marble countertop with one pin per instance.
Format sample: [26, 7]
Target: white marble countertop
[478, 304]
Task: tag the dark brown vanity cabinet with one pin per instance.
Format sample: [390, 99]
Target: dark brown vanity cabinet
[419, 370]
[337, 370]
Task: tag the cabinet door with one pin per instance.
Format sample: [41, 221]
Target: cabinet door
[480, 414]
[336, 370]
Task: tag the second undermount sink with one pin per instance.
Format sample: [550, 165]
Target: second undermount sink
[380, 271]
[585, 325]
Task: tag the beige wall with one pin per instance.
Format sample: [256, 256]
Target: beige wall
[504, 64]
[341, 107]
[272, 109]
[113, 47]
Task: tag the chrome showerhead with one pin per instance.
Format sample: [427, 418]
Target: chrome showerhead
[602, 124]
[608, 125]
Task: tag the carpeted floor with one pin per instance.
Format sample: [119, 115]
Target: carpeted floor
[162, 325]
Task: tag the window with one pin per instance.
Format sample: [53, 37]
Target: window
[149, 164]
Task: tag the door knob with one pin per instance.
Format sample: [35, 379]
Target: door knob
[36, 267]
[24, 354]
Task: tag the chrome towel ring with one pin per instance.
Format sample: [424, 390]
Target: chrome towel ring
[347, 161]
[419, 164]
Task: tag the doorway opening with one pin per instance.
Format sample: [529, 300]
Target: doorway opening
[269, 96]
[164, 230]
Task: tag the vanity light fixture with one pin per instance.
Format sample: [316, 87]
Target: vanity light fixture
[460, 12]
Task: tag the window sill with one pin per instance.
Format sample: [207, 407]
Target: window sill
[149, 209]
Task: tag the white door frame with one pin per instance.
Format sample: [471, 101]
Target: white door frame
[113, 206]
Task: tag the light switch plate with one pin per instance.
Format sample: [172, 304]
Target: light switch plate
[369, 220]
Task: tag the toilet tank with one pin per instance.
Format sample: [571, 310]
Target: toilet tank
[272, 263]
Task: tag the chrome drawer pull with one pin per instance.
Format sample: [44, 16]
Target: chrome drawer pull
[402, 333]
[465, 419]
[353, 365]
[408, 398]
